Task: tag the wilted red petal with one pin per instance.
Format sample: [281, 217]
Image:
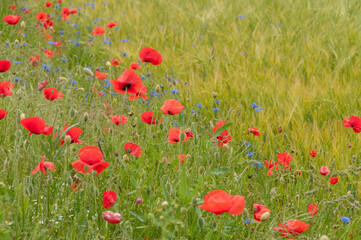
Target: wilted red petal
[111, 217]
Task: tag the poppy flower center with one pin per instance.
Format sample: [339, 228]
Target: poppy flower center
[126, 87]
[128, 150]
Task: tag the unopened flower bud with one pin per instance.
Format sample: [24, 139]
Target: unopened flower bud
[72, 112]
[165, 204]
[201, 169]
[182, 136]
[225, 146]
[139, 200]
[108, 64]
[157, 88]
[125, 158]
[324, 237]
[183, 211]
[265, 216]
[214, 94]
[22, 116]
[67, 140]
[22, 24]
[201, 222]
[86, 116]
[16, 41]
[88, 72]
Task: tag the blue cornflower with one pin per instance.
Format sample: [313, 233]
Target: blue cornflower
[125, 40]
[242, 16]
[250, 154]
[73, 82]
[247, 221]
[160, 27]
[61, 32]
[217, 101]
[254, 105]
[345, 219]
[17, 79]
[259, 164]
[216, 109]
[247, 144]
[124, 54]
[64, 60]
[200, 105]
[193, 45]
[174, 91]
[259, 109]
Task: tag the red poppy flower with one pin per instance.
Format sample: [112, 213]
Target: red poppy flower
[219, 201]
[312, 209]
[259, 211]
[292, 228]
[313, 153]
[147, 117]
[172, 107]
[52, 94]
[141, 93]
[4, 65]
[35, 60]
[90, 157]
[48, 4]
[42, 16]
[101, 76]
[271, 166]
[354, 122]
[98, 31]
[174, 135]
[115, 62]
[109, 199]
[42, 84]
[129, 82]
[43, 166]
[48, 23]
[284, 159]
[111, 217]
[111, 24]
[150, 55]
[13, 7]
[254, 131]
[73, 11]
[5, 87]
[181, 158]
[224, 137]
[12, 19]
[3, 113]
[36, 125]
[119, 120]
[333, 180]
[324, 170]
[74, 133]
[133, 149]
[135, 65]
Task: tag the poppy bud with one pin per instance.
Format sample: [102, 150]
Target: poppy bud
[22, 24]
[108, 64]
[87, 72]
[86, 116]
[72, 112]
[134, 125]
[50, 181]
[245, 213]
[201, 222]
[86, 168]
[157, 88]
[214, 94]
[136, 135]
[62, 79]
[324, 237]
[216, 154]
[265, 216]
[125, 158]
[349, 145]
[165, 204]
[139, 201]
[16, 41]
[282, 179]
[225, 146]
[183, 211]
[22, 116]
[182, 136]
[67, 140]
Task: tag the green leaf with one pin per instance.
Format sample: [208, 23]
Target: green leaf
[137, 216]
[220, 130]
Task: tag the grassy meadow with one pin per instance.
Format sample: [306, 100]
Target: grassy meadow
[291, 69]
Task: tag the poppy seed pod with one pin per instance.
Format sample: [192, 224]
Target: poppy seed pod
[67, 140]
[86, 116]
[72, 112]
[87, 72]
[157, 88]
